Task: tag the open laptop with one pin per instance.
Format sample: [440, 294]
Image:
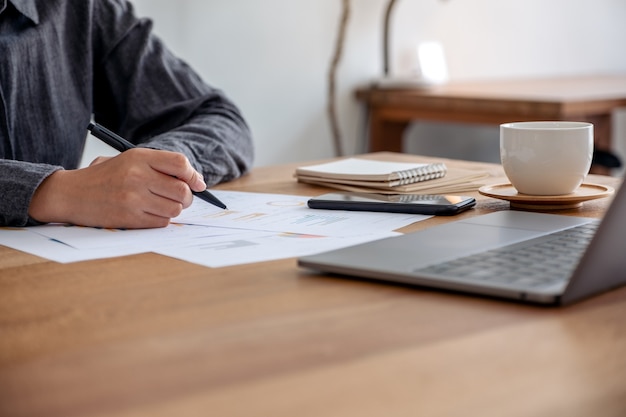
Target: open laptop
[528, 256]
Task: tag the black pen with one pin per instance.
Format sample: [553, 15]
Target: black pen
[119, 143]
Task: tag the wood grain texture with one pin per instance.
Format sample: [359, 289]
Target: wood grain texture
[147, 335]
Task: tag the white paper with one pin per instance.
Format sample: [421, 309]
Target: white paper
[256, 227]
[253, 246]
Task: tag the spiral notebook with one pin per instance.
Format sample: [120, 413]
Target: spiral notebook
[356, 174]
[356, 171]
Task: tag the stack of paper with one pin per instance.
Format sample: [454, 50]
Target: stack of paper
[256, 227]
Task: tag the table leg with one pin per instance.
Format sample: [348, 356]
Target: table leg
[385, 134]
[602, 125]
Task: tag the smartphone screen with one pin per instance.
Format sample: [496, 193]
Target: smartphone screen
[432, 204]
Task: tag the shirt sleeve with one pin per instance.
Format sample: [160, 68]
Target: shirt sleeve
[20, 180]
[154, 99]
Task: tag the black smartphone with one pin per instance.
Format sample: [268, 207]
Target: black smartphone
[440, 205]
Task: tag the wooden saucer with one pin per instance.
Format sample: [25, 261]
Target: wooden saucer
[585, 192]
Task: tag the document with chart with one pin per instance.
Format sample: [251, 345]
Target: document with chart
[256, 227]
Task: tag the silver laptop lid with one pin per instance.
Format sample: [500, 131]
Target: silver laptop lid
[603, 265]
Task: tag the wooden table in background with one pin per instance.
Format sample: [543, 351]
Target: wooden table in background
[147, 335]
[590, 99]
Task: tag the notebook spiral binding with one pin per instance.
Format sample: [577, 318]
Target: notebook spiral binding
[410, 198]
[429, 172]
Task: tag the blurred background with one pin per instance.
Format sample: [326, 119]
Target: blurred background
[272, 58]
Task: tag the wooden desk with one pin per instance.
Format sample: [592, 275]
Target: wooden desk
[591, 99]
[147, 335]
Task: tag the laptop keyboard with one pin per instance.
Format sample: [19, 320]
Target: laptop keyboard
[542, 261]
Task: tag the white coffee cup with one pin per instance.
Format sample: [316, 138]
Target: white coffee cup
[546, 158]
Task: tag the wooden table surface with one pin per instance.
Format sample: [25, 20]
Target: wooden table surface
[146, 335]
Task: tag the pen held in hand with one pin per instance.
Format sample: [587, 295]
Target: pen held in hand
[119, 143]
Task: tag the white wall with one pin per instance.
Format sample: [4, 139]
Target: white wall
[272, 58]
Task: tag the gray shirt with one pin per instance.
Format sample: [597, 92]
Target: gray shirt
[64, 61]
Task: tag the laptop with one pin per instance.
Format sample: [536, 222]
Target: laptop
[527, 256]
